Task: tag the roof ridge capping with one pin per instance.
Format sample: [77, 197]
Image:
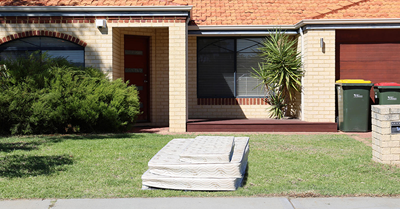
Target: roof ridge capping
[93, 8]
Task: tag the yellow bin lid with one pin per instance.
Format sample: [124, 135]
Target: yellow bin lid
[352, 81]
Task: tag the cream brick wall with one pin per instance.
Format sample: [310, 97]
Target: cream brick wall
[169, 77]
[385, 145]
[215, 111]
[103, 50]
[319, 79]
[98, 50]
[159, 79]
[169, 90]
[178, 75]
[117, 55]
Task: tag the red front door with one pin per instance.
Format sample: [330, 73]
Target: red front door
[136, 66]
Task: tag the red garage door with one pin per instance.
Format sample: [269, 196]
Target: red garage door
[368, 54]
[375, 62]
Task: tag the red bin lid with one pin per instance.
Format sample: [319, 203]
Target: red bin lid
[387, 84]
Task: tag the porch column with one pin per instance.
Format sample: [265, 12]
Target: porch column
[319, 78]
[178, 59]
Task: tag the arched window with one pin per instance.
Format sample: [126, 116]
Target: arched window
[54, 47]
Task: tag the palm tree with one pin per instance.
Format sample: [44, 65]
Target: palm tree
[280, 72]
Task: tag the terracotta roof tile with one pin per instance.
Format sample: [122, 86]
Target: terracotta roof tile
[249, 12]
[367, 9]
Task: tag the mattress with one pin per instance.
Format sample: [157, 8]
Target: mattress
[151, 181]
[210, 163]
[167, 161]
[209, 149]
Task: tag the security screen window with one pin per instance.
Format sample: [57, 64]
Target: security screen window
[54, 47]
[225, 66]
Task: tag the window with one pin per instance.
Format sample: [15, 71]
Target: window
[54, 47]
[224, 67]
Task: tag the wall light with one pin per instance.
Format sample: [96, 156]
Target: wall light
[101, 23]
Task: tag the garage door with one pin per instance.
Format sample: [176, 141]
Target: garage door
[372, 54]
[375, 62]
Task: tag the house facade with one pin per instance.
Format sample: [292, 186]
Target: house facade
[192, 59]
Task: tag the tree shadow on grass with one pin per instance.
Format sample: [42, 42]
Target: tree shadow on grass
[24, 166]
[26, 146]
[49, 139]
[12, 146]
[93, 136]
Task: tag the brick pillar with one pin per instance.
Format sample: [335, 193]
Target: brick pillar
[319, 78]
[178, 71]
[385, 144]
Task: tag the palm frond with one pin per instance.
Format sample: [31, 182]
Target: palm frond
[280, 69]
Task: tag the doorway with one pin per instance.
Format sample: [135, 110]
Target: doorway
[136, 71]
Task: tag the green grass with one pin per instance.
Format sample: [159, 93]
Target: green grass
[106, 166]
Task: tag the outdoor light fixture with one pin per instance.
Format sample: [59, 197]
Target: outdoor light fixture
[321, 43]
[101, 23]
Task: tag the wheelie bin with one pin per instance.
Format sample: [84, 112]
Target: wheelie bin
[387, 93]
[353, 103]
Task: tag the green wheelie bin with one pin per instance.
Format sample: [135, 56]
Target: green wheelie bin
[353, 101]
[387, 93]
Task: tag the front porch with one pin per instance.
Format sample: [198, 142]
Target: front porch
[153, 58]
[258, 125]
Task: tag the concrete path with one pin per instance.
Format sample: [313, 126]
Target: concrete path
[202, 203]
[346, 203]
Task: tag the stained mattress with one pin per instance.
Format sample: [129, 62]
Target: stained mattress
[184, 164]
[152, 181]
[209, 149]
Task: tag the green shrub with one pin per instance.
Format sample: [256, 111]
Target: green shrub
[62, 98]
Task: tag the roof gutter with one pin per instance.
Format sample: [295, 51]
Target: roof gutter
[235, 30]
[93, 8]
[95, 11]
[241, 27]
[293, 29]
[347, 22]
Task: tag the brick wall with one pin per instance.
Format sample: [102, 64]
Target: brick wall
[178, 75]
[319, 79]
[158, 68]
[318, 85]
[173, 99]
[104, 50]
[168, 70]
[117, 54]
[218, 109]
[160, 86]
[385, 145]
[98, 45]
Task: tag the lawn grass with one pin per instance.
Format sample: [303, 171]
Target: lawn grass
[108, 166]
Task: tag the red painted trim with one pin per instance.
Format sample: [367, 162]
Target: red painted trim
[232, 101]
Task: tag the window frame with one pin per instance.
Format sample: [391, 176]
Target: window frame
[77, 47]
[235, 38]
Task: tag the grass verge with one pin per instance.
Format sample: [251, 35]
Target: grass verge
[108, 166]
